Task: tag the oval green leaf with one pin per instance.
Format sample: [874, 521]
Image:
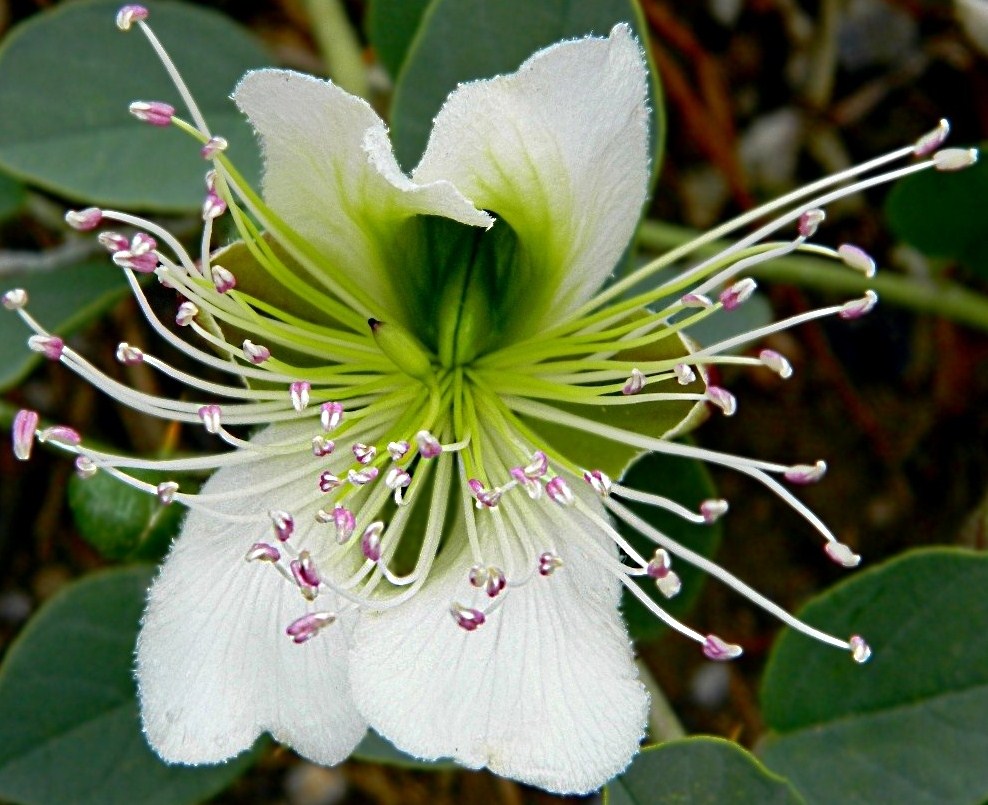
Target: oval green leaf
[62, 300]
[64, 123]
[908, 726]
[69, 731]
[463, 40]
[698, 771]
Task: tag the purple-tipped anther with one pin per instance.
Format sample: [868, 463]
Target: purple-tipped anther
[496, 582]
[213, 206]
[321, 446]
[187, 311]
[14, 299]
[362, 477]
[429, 446]
[62, 435]
[298, 393]
[255, 353]
[696, 300]
[84, 220]
[223, 279]
[370, 541]
[305, 574]
[932, 140]
[806, 473]
[308, 626]
[398, 450]
[113, 242]
[22, 433]
[635, 383]
[599, 481]
[330, 415]
[345, 522]
[262, 552]
[397, 478]
[532, 486]
[142, 263]
[467, 618]
[549, 563]
[809, 221]
[857, 258]
[684, 373]
[85, 467]
[364, 453]
[129, 355]
[842, 554]
[214, 145]
[51, 346]
[712, 510]
[478, 576]
[328, 481]
[559, 492]
[166, 492]
[486, 498]
[129, 14]
[716, 649]
[776, 362]
[954, 159]
[212, 418]
[284, 524]
[723, 399]
[156, 113]
[739, 293]
[860, 650]
[538, 466]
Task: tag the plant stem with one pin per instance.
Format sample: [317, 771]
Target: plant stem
[338, 45]
[937, 296]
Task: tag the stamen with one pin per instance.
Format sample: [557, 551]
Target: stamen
[213, 207]
[130, 14]
[211, 417]
[531, 486]
[635, 383]
[166, 491]
[739, 293]
[467, 618]
[362, 477]
[723, 399]
[328, 481]
[262, 552]
[345, 523]
[15, 299]
[85, 467]
[809, 221]
[321, 446]
[398, 450]
[538, 466]
[187, 312]
[955, 159]
[857, 308]
[223, 279]
[857, 258]
[308, 626]
[716, 649]
[712, 510]
[776, 362]
[157, 113]
[51, 346]
[842, 554]
[84, 220]
[659, 568]
[806, 473]
[370, 541]
[860, 650]
[214, 145]
[298, 393]
[331, 415]
[429, 446]
[255, 353]
[284, 524]
[60, 435]
[684, 374]
[111, 241]
[696, 300]
[128, 355]
[306, 576]
[932, 140]
[599, 481]
[549, 562]
[486, 498]
[559, 492]
[22, 433]
[364, 453]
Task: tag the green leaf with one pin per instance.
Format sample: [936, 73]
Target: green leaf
[462, 40]
[120, 521]
[12, 196]
[64, 123]
[375, 749]
[909, 726]
[696, 771]
[687, 482]
[391, 27]
[62, 300]
[69, 731]
[942, 214]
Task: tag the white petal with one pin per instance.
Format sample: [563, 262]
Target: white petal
[331, 175]
[215, 668]
[545, 691]
[560, 151]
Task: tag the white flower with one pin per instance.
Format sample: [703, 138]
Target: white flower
[426, 518]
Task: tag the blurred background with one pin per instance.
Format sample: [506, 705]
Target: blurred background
[761, 96]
